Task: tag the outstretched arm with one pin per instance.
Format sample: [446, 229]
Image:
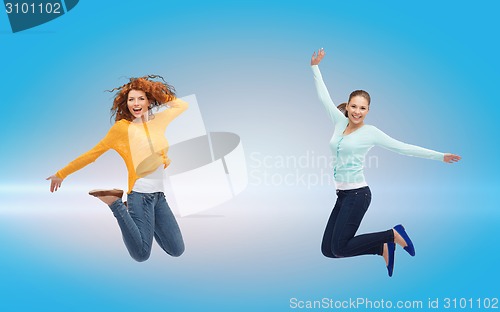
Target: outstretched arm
[77, 164]
[383, 140]
[386, 141]
[333, 112]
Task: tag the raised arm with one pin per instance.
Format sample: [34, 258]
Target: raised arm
[175, 108]
[333, 112]
[394, 145]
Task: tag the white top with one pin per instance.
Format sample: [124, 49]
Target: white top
[151, 183]
[349, 186]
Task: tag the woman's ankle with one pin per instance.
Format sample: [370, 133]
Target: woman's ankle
[108, 200]
[398, 239]
[385, 254]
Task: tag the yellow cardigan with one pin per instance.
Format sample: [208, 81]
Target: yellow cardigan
[142, 146]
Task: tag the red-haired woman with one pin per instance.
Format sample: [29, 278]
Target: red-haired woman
[138, 136]
[351, 140]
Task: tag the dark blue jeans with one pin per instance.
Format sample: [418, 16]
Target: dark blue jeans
[339, 239]
[147, 215]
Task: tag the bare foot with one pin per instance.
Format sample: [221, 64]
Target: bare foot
[398, 239]
[108, 200]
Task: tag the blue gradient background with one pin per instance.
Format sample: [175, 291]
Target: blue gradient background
[432, 70]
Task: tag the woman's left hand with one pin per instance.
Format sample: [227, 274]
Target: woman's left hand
[451, 158]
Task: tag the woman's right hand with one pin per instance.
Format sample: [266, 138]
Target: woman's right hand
[55, 183]
[316, 58]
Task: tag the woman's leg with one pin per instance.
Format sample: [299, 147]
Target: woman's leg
[167, 232]
[344, 242]
[326, 243]
[136, 223]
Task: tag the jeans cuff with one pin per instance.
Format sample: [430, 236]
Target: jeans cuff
[116, 204]
[391, 235]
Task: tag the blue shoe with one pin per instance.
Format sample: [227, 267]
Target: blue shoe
[391, 248]
[409, 245]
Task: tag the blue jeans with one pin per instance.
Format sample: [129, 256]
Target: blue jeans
[339, 240]
[147, 215]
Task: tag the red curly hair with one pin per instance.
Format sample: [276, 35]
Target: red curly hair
[157, 92]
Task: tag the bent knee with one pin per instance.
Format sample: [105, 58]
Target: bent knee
[141, 257]
[331, 252]
[327, 252]
[177, 252]
[338, 252]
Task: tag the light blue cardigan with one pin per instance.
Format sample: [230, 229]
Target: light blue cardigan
[349, 151]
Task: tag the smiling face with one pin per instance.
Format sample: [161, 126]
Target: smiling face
[137, 103]
[357, 108]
